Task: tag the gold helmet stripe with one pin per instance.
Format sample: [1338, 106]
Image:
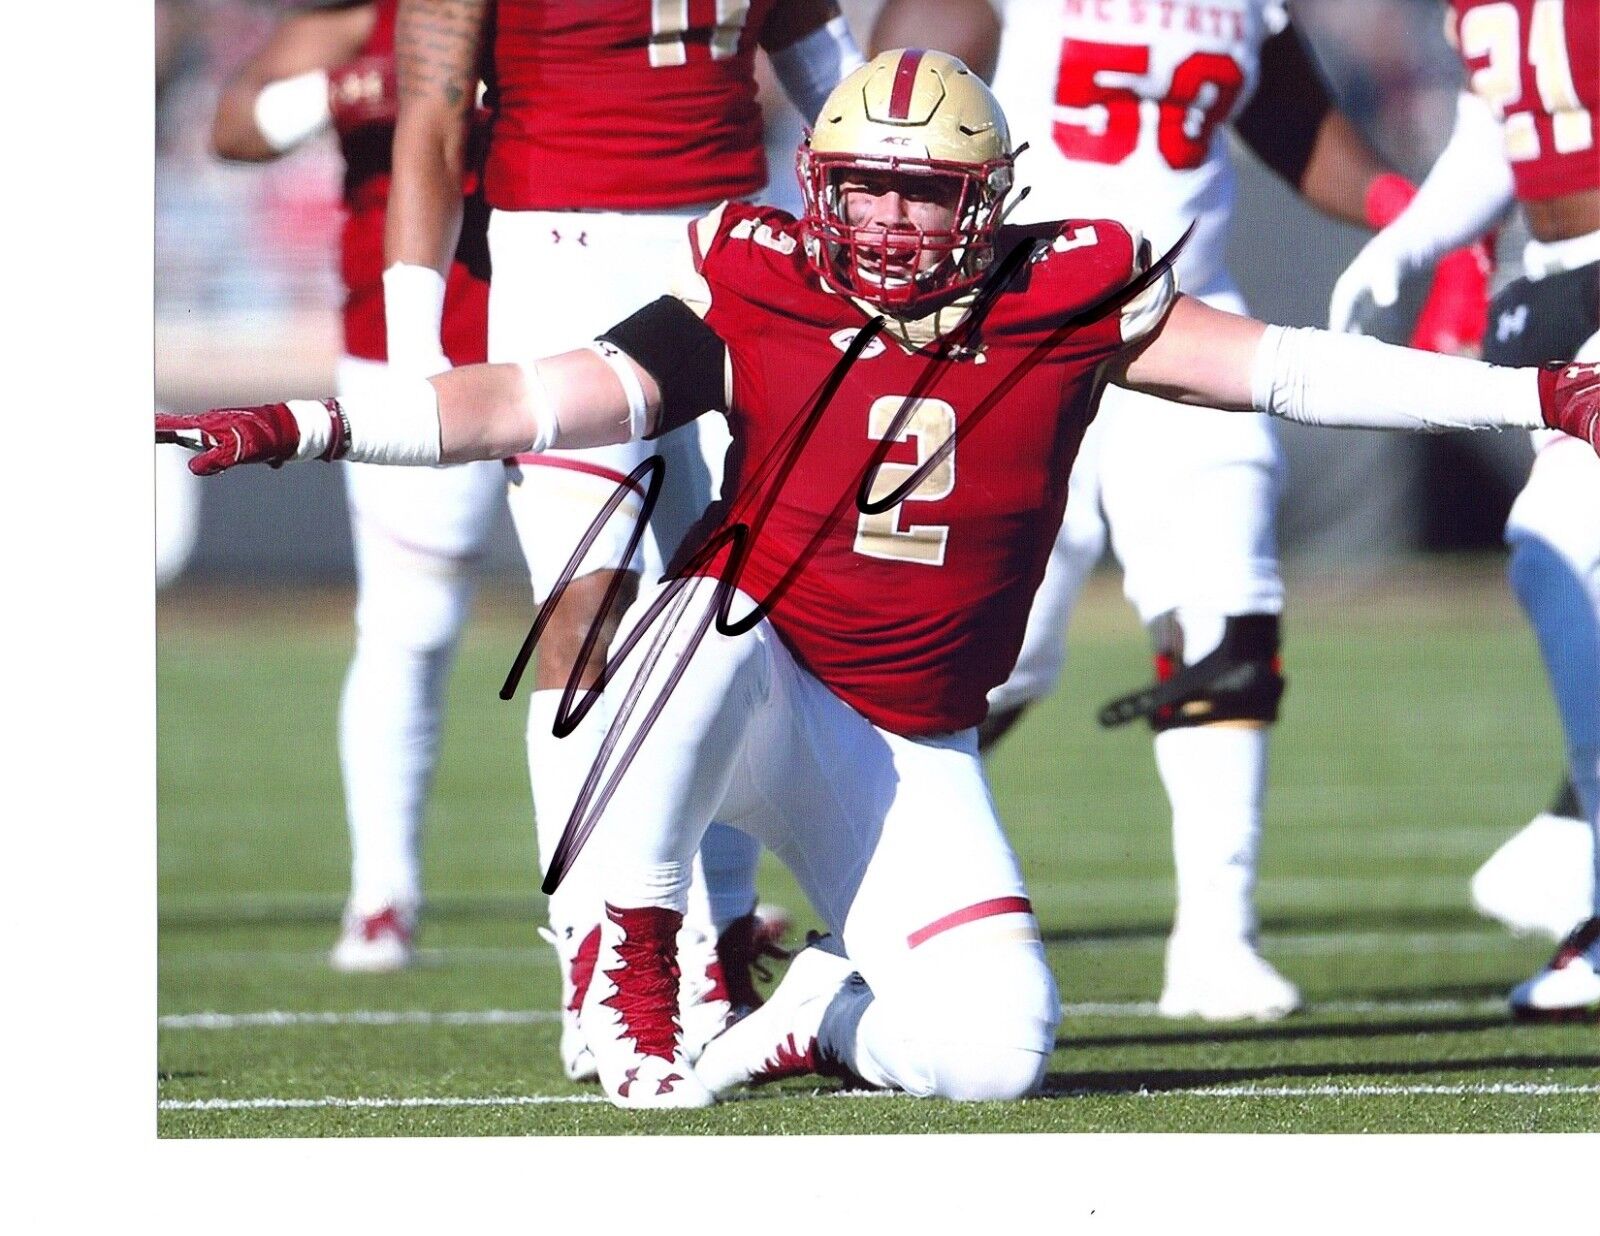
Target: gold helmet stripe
[905, 82]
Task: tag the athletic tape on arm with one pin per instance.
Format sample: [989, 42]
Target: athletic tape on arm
[1355, 382]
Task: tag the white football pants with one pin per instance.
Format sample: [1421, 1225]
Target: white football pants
[417, 533]
[560, 279]
[894, 840]
[1554, 535]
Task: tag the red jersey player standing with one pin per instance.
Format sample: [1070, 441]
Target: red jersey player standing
[906, 383]
[416, 533]
[1525, 132]
[616, 122]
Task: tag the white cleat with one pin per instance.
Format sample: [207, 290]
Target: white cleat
[1568, 989]
[575, 956]
[1224, 981]
[630, 1012]
[719, 981]
[782, 1038]
[377, 943]
[704, 1009]
[1541, 881]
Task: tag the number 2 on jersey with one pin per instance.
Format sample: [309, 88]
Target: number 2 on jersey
[1102, 114]
[878, 534]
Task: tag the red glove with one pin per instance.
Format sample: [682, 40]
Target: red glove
[1569, 397]
[1456, 312]
[227, 437]
[363, 91]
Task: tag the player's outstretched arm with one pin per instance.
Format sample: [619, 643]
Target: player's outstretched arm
[588, 397]
[280, 96]
[1205, 357]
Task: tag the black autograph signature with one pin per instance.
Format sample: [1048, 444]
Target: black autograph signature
[743, 525]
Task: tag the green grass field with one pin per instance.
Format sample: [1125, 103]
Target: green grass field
[1416, 736]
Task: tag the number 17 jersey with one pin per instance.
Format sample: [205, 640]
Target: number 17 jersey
[624, 104]
[1122, 104]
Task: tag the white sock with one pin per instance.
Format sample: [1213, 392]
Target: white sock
[389, 723]
[1215, 778]
[557, 768]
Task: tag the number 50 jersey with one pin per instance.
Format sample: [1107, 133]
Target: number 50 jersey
[1122, 104]
[911, 613]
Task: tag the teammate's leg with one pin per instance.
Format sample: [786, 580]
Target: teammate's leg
[417, 535]
[643, 848]
[1193, 525]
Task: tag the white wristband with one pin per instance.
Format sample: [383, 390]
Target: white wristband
[1317, 377]
[291, 109]
[622, 365]
[315, 423]
[811, 67]
[397, 424]
[413, 314]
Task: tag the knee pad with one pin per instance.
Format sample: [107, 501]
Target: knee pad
[1241, 680]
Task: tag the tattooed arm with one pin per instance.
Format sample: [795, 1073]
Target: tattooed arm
[437, 43]
[437, 46]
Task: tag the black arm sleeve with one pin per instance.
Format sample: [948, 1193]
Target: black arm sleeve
[1281, 121]
[684, 355]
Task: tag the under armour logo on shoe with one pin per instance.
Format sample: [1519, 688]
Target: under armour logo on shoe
[664, 1086]
[1512, 322]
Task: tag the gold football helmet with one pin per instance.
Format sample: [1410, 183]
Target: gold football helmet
[918, 114]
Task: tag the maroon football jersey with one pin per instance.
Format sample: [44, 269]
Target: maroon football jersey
[624, 104]
[1537, 64]
[366, 136]
[913, 613]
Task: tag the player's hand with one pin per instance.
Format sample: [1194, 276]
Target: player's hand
[1569, 396]
[1453, 318]
[227, 437]
[363, 91]
[1375, 272]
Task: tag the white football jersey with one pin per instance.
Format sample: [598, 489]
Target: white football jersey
[1122, 103]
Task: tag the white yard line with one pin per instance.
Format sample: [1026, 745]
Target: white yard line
[1519, 1089]
[274, 1018]
[279, 1018]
